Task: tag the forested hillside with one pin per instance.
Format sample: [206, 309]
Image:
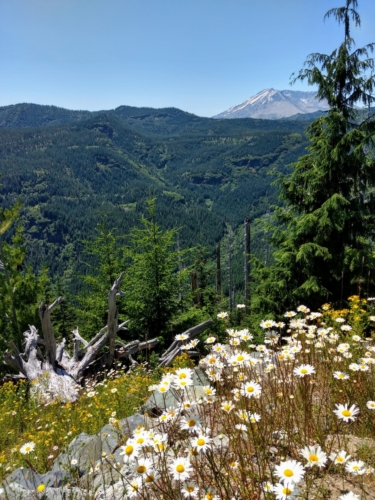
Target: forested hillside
[204, 173]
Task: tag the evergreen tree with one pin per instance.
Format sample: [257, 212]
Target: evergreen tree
[153, 281]
[325, 231]
[105, 264]
[21, 290]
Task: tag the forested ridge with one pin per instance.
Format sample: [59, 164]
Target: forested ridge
[67, 167]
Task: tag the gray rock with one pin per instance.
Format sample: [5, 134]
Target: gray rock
[87, 450]
[14, 491]
[29, 480]
[200, 378]
[158, 402]
[129, 424]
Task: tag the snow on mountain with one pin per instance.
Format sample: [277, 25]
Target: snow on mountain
[273, 104]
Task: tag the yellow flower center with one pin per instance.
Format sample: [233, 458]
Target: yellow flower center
[304, 371]
[129, 450]
[189, 489]
[180, 468]
[355, 467]
[240, 358]
[150, 479]
[141, 469]
[227, 407]
[140, 440]
[340, 460]
[209, 496]
[288, 473]
[287, 491]
[313, 458]
[191, 423]
[41, 488]
[250, 389]
[346, 413]
[201, 442]
[182, 375]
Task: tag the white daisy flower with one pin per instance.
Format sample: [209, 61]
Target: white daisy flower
[222, 315]
[345, 413]
[133, 488]
[268, 323]
[180, 468]
[227, 406]
[283, 492]
[314, 456]
[354, 367]
[340, 375]
[341, 457]
[267, 487]
[346, 328]
[130, 451]
[190, 423]
[181, 337]
[251, 389]
[183, 373]
[201, 443]
[190, 490]
[370, 405]
[355, 467]
[27, 448]
[303, 309]
[254, 418]
[289, 314]
[303, 370]
[143, 466]
[349, 496]
[290, 471]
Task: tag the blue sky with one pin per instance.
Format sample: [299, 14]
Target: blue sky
[202, 56]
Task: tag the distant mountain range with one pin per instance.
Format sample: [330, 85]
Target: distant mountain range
[69, 167]
[274, 104]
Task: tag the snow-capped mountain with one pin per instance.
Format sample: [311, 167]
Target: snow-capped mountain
[273, 104]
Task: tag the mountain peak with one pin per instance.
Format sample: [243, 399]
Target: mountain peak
[273, 104]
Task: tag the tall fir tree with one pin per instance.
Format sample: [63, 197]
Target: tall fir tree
[105, 262]
[325, 229]
[153, 281]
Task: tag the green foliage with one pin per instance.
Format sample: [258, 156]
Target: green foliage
[105, 261]
[21, 290]
[153, 280]
[324, 238]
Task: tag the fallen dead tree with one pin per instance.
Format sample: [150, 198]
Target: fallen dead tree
[55, 373]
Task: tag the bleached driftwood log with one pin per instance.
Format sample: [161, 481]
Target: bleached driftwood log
[175, 349]
[57, 374]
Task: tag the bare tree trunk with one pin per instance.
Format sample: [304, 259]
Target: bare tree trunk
[230, 248]
[113, 317]
[218, 271]
[247, 264]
